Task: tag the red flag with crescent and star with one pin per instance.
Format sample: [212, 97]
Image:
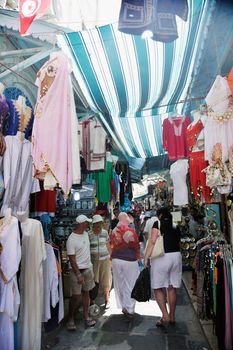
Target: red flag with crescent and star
[30, 10]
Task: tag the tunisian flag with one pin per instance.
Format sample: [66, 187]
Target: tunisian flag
[29, 10]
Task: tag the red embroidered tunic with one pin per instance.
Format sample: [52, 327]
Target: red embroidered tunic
[174, 137]
[192, 133]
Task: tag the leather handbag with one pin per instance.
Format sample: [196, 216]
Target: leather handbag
[158, 249]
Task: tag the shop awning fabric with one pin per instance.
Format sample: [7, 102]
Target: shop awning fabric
[132, 83]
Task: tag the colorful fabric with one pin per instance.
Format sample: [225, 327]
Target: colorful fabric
[124, 238]
[192, 133]
[103, 183]
[19, 121]
[174, 137]
[198, 177]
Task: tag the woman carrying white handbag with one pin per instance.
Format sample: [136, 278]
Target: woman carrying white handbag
[166, 265]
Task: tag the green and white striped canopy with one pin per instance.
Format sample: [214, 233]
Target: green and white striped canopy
[132, 83]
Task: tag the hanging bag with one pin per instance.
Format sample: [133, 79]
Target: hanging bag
[142, 288]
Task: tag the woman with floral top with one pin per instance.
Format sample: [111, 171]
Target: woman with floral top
[125, 256]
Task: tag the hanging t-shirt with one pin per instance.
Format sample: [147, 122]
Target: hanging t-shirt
[103, 183]
[174, 137]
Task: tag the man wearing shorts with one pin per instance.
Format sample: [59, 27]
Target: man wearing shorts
[81, 273]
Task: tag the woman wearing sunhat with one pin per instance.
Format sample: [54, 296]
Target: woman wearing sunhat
[100, 256]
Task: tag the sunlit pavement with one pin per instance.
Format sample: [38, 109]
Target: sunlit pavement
[114, 332]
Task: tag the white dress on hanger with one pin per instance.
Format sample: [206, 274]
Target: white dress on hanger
[31, 284]
[50, 273]
[9, 293]
[178, 172]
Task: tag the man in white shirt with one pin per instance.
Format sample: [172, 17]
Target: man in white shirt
[81, 273]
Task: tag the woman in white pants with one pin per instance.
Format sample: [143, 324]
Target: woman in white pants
[125, 256]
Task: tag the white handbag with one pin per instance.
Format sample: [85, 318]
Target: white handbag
[158, 249]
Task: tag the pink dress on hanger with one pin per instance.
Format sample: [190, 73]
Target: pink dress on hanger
[174, 137]
[51, 134]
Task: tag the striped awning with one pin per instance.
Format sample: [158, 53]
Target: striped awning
[133, 83]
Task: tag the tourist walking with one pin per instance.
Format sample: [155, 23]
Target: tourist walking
[166, 270]
[100, 257]
[81, 273]
[125, 256]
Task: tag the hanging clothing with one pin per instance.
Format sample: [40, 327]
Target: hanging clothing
[4, 109]
[174, 137]
[218, 132]
[103, 183]
[192, 133]
[16, 165]
[50, 282]
[94, 145]
[217, 98]
[76, 165]
[10, 256]
[31, 284]
[198, 176]
[124, 181]
[19, 120]
[178, 173]
[43, 201]
[157, 16]
[52, 136]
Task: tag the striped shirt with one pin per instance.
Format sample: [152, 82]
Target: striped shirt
[98, 245]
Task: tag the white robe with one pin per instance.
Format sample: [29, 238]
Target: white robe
[53, 289]
[9, 293]
[16, 165]
[50, 272]
[31, 285]
[178, 172]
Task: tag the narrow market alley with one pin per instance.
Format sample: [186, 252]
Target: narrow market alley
[113, 331]
[116, 174]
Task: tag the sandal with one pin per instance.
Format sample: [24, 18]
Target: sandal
[161, 323]
[70, 326]
[89, 323]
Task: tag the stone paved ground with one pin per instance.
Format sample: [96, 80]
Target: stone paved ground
[114, 332]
